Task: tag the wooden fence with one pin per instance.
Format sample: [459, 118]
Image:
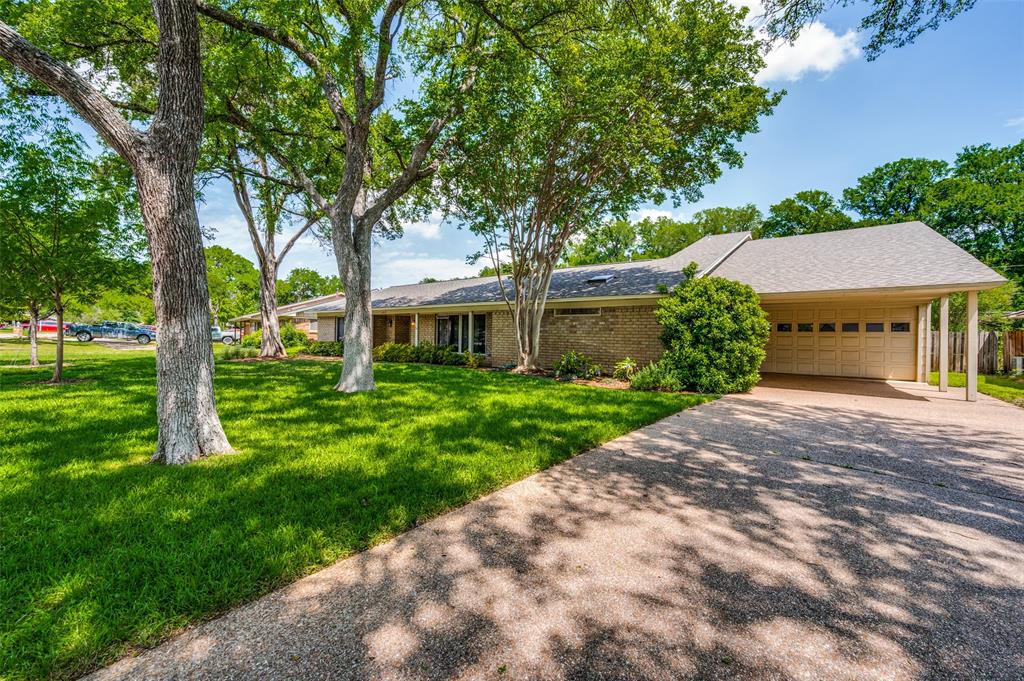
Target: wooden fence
[995, 350]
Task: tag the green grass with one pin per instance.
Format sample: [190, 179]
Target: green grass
[102, 552]
[1007, 388]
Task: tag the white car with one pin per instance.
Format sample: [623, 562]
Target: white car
[227, 337]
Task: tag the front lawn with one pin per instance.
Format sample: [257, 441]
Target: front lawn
[1007, 388]
[100, 552]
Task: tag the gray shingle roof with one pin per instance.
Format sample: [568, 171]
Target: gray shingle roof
[627, 279]
[908, 254]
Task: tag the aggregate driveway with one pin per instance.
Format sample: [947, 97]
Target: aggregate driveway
[811, 529]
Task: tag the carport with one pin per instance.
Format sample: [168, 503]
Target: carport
[858, 303]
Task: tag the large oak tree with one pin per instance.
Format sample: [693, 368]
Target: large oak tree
[149, 55]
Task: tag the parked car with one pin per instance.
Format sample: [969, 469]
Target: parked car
[225, 336]
[125, 330]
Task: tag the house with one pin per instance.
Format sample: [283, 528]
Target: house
[853, 303]
[293, 313]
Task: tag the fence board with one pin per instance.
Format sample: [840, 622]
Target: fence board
[989, 359]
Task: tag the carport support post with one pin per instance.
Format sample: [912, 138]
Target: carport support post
[928, 345]
[972, 346]
[923, 322]
[944, 344]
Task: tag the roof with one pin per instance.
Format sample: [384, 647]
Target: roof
[907, 255]
[293, 308]
[625, 279]
[1016, 314]
[904, 255]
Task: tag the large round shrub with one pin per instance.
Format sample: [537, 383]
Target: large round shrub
[714, 332]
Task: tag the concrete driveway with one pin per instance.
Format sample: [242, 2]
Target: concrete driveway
[811, 529]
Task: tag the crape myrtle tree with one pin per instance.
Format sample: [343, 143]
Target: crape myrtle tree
[68, 219]
[132, 70]
[647, 103]
[315, 101]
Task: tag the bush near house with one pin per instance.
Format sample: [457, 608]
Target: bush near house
[425, 353]
[574, 365]
[714, 332]
[655, 376]
[326, 348]
[290, 337]
[625, 369]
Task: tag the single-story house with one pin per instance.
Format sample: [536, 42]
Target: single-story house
[853, 303]
[293, 313]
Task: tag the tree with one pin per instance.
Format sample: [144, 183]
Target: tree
[980, 207]
[808, 212]
[234, 283]
[613, 240]
[163, 85]
[303, 284]
[890, 23]
[895, 192]
[64, 225]
[368, 153]
[636, 107]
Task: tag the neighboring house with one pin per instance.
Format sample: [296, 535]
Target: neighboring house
[293, 313]
[852, 303]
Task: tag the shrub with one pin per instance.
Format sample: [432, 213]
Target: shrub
[326, 348]
[252, 340]
[714, 332]
[393, 352]
[576, 365]
[473, 360]
[655, 376]
[290, 336]
[625, 368]
[236, 352]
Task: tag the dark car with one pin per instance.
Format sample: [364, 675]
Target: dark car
[124, 330]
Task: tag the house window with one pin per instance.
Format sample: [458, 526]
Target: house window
[900, 327]
[453, 331]
[851, 327]
[339, 328]
[578, 312]
[784, 327]
[827, 327]
[805, 327]
[874, 327]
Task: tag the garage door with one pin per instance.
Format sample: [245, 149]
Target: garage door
[861, 342]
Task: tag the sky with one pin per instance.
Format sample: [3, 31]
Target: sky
[842, 116]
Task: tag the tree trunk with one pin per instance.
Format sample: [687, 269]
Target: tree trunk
[33, 335]
[58, 363]
[188, 425]
[354, 263]
[270, 340]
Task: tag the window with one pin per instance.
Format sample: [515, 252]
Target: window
[578, 312]
[339, 328]
[805, 327]
[827, 327]
[453, 330]
[851, 327]
[784, 327]
[900, 327]
[874, 327]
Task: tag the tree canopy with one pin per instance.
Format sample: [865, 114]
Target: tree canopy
[303, 283]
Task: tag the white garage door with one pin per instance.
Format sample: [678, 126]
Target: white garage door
[862, 342]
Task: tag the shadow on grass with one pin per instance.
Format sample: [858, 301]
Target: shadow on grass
[688, 550]
[102, 551]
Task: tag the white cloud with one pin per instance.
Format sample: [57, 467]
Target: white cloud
[817, 50]
[425, 229]
[652, 213]
[411, 268]
[1015, 122]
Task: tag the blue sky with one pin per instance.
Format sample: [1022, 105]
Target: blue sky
[962, 84]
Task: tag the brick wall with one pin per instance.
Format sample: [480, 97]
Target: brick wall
[608, 337]
[326, 327]
[428, 324]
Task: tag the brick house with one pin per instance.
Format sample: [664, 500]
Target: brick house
[854, 303]
[293, 313]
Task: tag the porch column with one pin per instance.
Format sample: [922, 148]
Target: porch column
[469, 342]
[972, 346]
[416, 329]
[944, 344]
[922, 344]
[928, 344]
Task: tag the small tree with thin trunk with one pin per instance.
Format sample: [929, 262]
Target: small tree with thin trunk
[155, 61]
[265, 209]
[641, 106]
[65, 221]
